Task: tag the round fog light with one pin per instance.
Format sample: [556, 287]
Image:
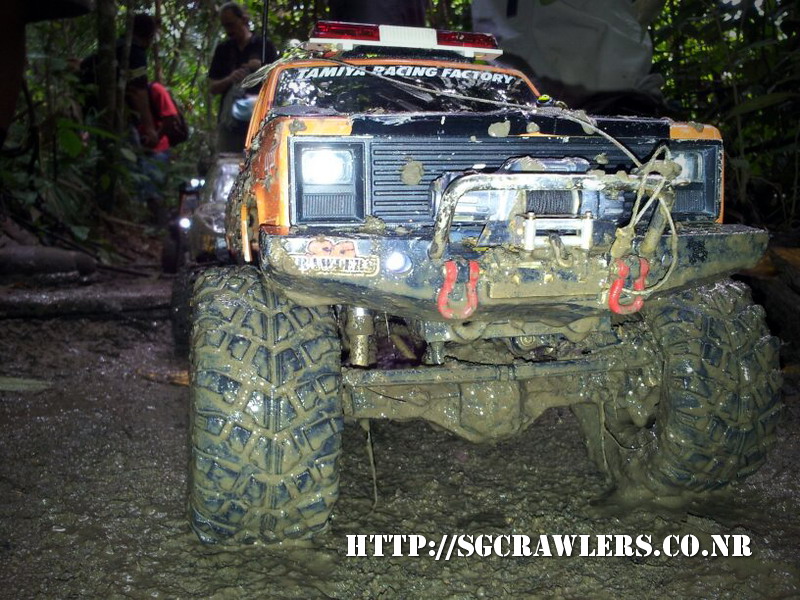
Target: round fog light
[397, 262]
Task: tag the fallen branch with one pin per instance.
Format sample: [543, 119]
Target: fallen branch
[20, 384]
[100, 299]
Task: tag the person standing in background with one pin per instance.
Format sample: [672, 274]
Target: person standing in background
[154, 160]
[165, 115]
[233, 60]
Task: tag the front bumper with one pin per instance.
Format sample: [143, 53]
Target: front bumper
[396, 274]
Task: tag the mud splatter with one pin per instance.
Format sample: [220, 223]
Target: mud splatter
[412, 172]
[530, 164]
[501, 129]
[296, 126]
[373, 225]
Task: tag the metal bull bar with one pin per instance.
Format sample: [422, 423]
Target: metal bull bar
[465, 184]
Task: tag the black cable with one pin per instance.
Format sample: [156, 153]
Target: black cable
[264, 22]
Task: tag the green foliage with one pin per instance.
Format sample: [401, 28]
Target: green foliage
[737, 65]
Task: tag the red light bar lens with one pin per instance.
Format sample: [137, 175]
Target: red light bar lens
[466, 38]
[346, 31]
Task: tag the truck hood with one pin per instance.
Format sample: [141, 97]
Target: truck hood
[493, 124]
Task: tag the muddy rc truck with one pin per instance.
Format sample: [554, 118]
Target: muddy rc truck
[420, 235]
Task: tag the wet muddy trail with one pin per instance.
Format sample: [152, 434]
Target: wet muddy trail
[93, 487]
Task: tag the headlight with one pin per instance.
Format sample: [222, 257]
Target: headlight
[327, 167]
[698, 187]
[328, 181]
[691, 164]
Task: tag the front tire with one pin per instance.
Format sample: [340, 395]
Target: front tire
[266, 412]
[719, 403]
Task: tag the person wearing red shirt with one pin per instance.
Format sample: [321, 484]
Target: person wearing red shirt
[164, 114]
[154, 161]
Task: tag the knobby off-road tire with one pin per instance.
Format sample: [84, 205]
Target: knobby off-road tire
[719, 402]
[266, 412]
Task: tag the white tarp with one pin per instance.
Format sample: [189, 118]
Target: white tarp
[595, 44]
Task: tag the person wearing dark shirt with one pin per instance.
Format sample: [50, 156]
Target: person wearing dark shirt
[233, 60]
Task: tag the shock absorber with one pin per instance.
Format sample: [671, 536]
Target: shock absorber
[360, 329]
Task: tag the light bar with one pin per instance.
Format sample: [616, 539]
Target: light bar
[466, 39]
[333, 35]
[350, 31]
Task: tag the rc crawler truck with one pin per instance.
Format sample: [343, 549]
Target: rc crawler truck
[419, 234]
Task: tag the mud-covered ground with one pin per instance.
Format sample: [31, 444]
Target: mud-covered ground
[93, 487]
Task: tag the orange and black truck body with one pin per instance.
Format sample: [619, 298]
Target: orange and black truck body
[365, 187]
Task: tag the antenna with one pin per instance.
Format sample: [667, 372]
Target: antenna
[264, 22]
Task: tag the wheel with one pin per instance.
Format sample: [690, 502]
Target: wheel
[719, 401]
[266, 411]
[180, 310]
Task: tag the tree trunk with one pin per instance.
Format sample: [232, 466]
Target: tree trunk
[180, 48]
[212, 24]
[106, 102]
[122, 74]
[157, 65]
[107, 63]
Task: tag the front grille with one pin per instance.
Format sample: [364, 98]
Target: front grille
[394, 200]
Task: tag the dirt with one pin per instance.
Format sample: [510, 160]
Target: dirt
[93, 496]
[500, 129]
[412, 172]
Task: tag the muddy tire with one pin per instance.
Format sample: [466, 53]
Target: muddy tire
[719, 399]
[266, 412]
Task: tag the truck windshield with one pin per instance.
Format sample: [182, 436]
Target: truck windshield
[348, 89]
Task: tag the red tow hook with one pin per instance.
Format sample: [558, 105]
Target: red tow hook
[443, 299]
[616, 288]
